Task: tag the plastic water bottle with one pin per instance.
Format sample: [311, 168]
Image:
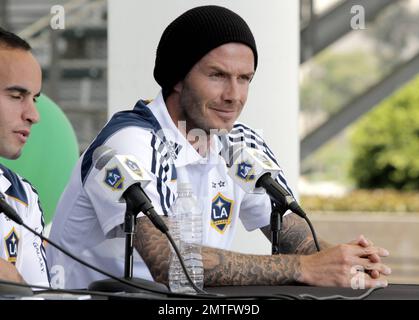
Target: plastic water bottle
[186, 230]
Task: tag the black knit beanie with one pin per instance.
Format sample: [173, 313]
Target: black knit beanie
[191, 36]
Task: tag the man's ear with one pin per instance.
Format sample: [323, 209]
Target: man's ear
[178, 87]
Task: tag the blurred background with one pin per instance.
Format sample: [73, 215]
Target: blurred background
[359, 124]
[358, 118]
[74, 60]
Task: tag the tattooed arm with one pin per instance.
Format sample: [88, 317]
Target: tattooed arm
[295, 236]
[221, 267]
[154, 248]
[227, 268]
[330, 267]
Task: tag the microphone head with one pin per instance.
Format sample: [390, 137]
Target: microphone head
[8, 210]
[116, 173]
[247, 165]
[102, 155]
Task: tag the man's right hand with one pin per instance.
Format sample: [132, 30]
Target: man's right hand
[339, 265]
[8, 272]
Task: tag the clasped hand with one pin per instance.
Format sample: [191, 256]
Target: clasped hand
[344, 264]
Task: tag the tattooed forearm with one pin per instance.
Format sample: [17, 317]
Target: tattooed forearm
[221, 267]
[295, 236]
[226, 268]
[154, 248]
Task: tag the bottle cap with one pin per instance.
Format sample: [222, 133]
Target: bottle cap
[184, 187]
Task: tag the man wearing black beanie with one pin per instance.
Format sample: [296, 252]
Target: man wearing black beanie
[191, 36]
[205, 61]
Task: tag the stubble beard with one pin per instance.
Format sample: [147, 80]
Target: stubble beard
[192, 111]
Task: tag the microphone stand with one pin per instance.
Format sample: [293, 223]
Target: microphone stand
[276, 223]
[129, 229]
[111, 285]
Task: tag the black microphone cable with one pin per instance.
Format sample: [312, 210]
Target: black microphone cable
[46, 289]
[126, 282]
[11, 213]
[306, 296]
[136, 296]
[137, 201]
[282, 197]
[182, 263]
[144, 204]
[313, 232]
[133, 284]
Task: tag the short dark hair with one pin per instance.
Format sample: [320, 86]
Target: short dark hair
[13, 41]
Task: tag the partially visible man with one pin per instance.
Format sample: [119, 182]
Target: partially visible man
[22, 255]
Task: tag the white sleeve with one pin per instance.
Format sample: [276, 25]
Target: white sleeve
[33, 264]
[139, 143]
[255, 210]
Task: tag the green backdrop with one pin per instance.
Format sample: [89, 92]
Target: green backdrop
[49, 155]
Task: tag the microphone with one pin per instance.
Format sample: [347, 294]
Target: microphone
[102, 157]
[276, 191]
[122, 180]
[11, 214]
[255, 172]
[8, 210]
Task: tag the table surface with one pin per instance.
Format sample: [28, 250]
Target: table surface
[291, 292]
[392, 292]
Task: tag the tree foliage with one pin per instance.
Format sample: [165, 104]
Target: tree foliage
[386, 143]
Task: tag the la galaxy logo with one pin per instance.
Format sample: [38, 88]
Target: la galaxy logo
[114, 178]
[245, 171]
[134, 167]
[221, 210]
[11, 242]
